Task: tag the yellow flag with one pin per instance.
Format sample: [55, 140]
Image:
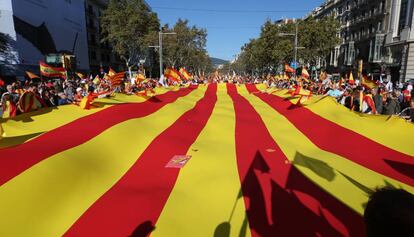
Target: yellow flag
[1, 131]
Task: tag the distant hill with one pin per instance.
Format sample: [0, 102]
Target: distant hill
[218, 61]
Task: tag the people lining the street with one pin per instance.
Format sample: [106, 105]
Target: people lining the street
[386, 98]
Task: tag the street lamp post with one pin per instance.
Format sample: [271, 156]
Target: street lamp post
[296, 44]
[160, 34]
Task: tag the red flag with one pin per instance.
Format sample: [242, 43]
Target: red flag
[289, 69]
[1, 82]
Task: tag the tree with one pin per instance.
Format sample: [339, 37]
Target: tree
[319, 37]
[271, 48]
[127, 24]
[187, 48]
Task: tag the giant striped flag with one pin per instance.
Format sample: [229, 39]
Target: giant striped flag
[207, 160]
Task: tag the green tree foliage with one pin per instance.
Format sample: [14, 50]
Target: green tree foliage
[187, 48]
[271, 48]
[127, 25]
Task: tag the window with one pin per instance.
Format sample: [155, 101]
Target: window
[379, 26]
[379, 42]
[403, 15]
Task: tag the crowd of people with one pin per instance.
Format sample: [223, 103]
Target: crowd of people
[56, 92]
[385, 98]
[381, 98]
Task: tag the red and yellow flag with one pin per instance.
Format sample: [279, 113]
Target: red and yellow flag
[140, 77]
[351, 78]
[80, 75]
[289, 69]
[305, 73]
[49, 71]
[32, 75]
[117, 78]
[172, 74]
[111, 72]
[185, 74]
[229, 155]
[367, 83]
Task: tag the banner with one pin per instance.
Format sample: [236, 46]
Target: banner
[49, 71]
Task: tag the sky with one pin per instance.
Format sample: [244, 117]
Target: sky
[230, 23]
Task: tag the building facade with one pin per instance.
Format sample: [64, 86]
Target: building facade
[100, 54]
[378, 32]
[399, 43]
[364, 25]
[35, 28]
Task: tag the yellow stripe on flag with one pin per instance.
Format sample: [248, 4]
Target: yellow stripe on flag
[207, 187]
[45, 120]
[380, 128]
[48, 198]
[308, 158]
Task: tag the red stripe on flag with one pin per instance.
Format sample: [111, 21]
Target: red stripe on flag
[277, 196]
[140, 195]
[331, 137]
[14, 160]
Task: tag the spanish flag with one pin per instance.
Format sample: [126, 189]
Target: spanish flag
[32, 75]
[289, 69]
[172, 74]
[367, 83]
[185, 74]
[49, 71]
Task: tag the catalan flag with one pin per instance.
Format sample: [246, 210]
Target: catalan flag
[117, 78]
[201, 160]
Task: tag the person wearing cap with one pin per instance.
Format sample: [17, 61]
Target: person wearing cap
[78, 96]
